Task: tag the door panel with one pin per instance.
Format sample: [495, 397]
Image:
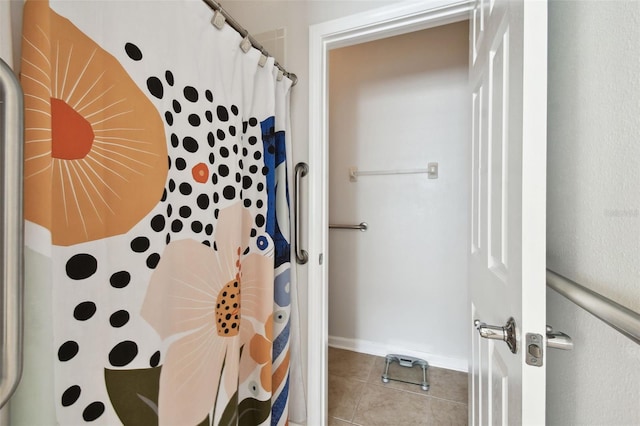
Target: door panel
[508, 169]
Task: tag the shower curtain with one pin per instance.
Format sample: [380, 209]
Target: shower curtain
[156, 181]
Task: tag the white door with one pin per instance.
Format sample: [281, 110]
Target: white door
[508, 62]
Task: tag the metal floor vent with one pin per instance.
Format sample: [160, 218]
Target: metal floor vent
[409, 362]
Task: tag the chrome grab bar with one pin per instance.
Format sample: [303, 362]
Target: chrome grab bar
[12, 266]
[302, 256]
[362, 226]
[617, 316]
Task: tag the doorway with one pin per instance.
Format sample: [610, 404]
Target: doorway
[397, 111]
[387, 22]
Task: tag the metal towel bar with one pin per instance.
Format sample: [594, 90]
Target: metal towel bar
[12, 266]
[617, 316]
[431, 171]
[362, 226]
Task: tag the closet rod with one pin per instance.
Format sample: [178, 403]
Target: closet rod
[244, 33]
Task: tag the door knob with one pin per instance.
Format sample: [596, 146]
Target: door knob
[506, 333]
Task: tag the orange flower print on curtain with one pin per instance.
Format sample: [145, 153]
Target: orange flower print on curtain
[214, 299]
[95, 149]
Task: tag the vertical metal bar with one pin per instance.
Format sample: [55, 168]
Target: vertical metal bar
[11, 257]
[302, 256]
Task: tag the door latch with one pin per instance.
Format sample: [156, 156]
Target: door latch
[535, 349]
[554, 339]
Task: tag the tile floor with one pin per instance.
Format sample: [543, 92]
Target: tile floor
[357, 395]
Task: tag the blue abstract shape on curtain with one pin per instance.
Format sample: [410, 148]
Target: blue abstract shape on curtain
[274, 155]
[280, 403]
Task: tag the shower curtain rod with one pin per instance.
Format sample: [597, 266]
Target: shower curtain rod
[244, 33]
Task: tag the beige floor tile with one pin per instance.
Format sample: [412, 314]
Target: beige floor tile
[448, 384]
[381, 406]
[350, 364]
[448, 413]
[344, 394]
[337, 422]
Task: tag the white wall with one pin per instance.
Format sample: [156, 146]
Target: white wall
[594, 205]
[10, 30]
[399, 103]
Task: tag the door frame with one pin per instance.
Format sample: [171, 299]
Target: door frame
[396, 19]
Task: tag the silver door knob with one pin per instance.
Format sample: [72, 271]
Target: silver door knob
[506, 333]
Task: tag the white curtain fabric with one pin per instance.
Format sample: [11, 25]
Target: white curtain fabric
[157, 162]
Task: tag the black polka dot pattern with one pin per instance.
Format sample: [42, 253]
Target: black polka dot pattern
[168, 76]
[119, 318]
[227, 310]
[93, 411]
[81, 266]
[237, 158]
[191, 94]
[155, 87]
[190, 144]
[185, 188]
[123, 353]
[203, 201]
[194, 120]
[223, 114]
[229, 192]
[168, 117]
[155, 359]
[70, 395]
[140, 244]
[133, 51]
[157, 223]
[68, 350]
[84, 311]
[120, 279]
[152, 260]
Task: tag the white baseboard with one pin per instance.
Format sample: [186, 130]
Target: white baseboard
[378, 349]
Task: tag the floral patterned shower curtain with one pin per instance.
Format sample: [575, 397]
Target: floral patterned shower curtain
[156, 181]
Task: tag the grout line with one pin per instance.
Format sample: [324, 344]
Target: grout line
[423, 395]
[341, 419]
[355, 410]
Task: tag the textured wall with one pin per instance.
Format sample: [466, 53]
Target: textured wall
[594, 205]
